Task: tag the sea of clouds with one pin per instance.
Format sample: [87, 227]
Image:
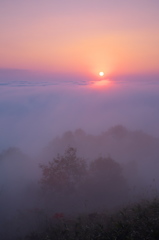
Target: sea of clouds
[35, 108]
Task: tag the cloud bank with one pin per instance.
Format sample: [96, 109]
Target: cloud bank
[35, 108]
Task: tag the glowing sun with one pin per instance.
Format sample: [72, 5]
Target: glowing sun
[101, 74]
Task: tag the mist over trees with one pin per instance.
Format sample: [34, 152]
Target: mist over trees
[100, 183]
[76, 173]
[136, 151]
[64, 173]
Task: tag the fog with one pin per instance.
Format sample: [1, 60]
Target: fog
[32, 112]
[114, 130]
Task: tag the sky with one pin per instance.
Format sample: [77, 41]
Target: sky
[86, 36]
[51, 53]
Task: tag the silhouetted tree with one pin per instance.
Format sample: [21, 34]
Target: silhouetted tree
[106, 168]
[105, 185]
[64, 173]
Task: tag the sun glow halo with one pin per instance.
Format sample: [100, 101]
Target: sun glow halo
[101, 74]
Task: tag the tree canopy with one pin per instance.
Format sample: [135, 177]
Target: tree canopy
[64, 172]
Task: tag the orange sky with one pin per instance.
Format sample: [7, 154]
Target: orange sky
[89, 36]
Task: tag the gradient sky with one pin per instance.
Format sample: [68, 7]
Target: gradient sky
[87, 36]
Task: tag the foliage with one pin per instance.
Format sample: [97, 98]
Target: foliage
[65, 172]
[136, 222]
[96, 186]
[107, 173]
[106, 168]
[106, 186]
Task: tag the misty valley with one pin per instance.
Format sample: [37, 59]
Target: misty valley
[79, 120]
[78, 183]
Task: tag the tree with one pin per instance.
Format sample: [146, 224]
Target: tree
[106, 185]
[106, 169]
[64, 173]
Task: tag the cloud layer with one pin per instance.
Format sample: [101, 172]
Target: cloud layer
[36, 108]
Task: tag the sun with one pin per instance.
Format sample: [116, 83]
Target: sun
[101, 74]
